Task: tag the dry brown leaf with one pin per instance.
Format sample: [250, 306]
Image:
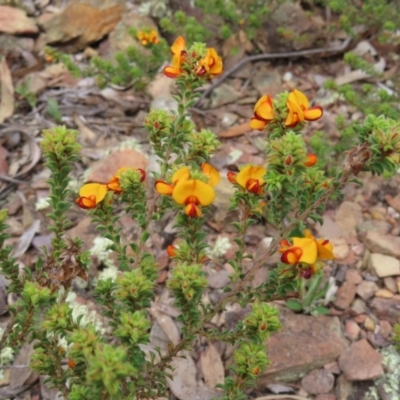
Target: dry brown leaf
[183, 384]
[167, 324]
[3, 160]
[14, 21]
[212, 366]
[86, 133]
[235, 131]
[23, 376]
[26, 239]
[7, 91]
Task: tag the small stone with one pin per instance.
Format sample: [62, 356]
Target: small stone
[360, 318]
[369, 324]
[348, 216]
[361, 362]
[326, 397]
[219, 279]
[398, 284]
[390, 284]
[352, 330]
[384, 244]
[224, 94]
[358, 307]
[387, 309]
[333, 367]
[291, 351]
[385, 329]
[376, 340]
[386, 294]
[366, 289]
[318, 381]
[353, 276]
[345, 295]
[340, 248]
[15, 21]
[384, 265]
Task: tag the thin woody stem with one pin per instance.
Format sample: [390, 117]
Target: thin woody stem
[232, 296]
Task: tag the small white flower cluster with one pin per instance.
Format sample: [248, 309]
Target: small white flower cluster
[101, 249]
[79, 310]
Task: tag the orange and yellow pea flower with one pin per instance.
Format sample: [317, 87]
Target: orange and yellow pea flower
[211, 64]
[299, 109]
[148, 37]
[263, 113]
[91, 194]
[305, 250]
[179, 52]
[193, 193]
[250, 178]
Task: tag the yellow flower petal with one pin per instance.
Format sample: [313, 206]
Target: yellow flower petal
[313, 113]
[264, 108]
[257, 124]
[98, 190]
[212, 174]
[325, 249]
[300, 98]
[179, 45]
[295, 114]
[251, 172]
[216, 66]
[309, 247]
[182, 174]
[193, 191]
[164, 188]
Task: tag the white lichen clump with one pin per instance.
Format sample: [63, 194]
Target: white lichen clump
[6, 355]
[221, 246]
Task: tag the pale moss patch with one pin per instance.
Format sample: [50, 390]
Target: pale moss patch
[6, 355]
[42, 204]
[390, 380]
[234, 155]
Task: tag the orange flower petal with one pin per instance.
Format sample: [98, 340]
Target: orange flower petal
[171, 251]
[264, 108]
[292, 255]
[171, 72]
[257, 124]
[86, 202]
[216, 65]
[312, 160]
[313, 113]
[231, 177]
[164, 188]
[192, 210]
[186, 190]
[113, 184]
[212, 174]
